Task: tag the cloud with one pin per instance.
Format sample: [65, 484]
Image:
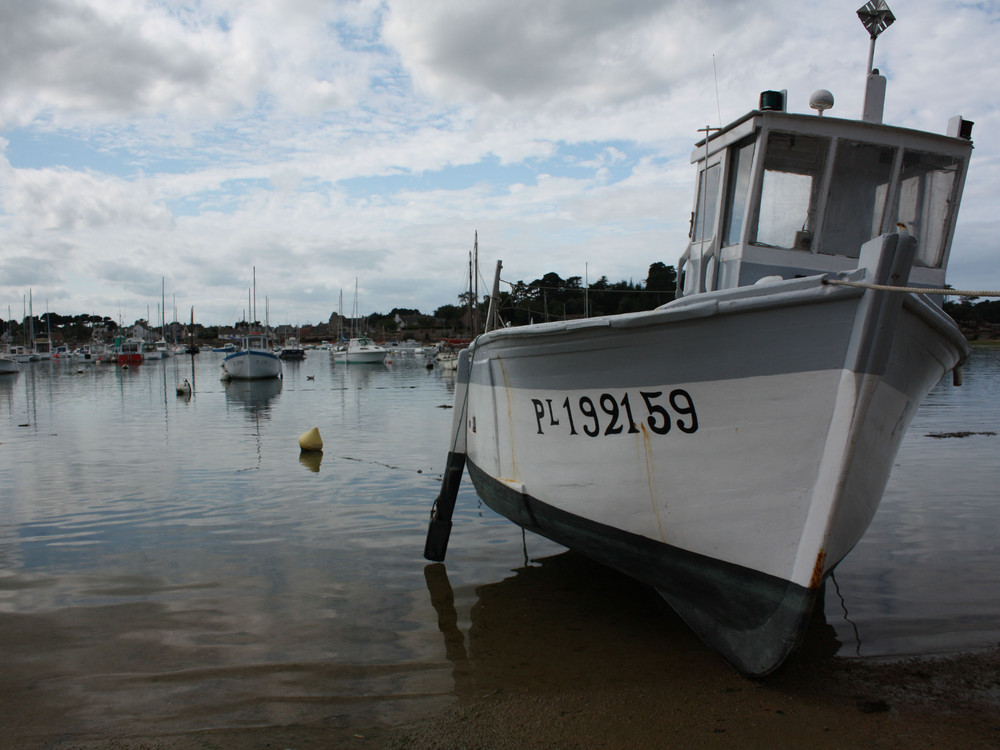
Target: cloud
[68, 62]
[65, 200]
[325, 141]
[585, 51]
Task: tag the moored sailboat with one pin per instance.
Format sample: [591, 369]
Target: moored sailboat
[730, 448]
[255, 360]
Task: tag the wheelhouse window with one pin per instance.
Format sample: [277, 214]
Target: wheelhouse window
[741, 163]
[926, 194]
[706, 208]
[859, 188]
[792, 169]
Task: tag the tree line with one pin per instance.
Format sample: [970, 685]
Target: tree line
[549, 297]
[552, 297]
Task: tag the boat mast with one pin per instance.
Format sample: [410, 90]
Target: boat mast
[475, 290]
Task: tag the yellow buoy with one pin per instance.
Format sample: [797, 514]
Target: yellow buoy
[311, 441]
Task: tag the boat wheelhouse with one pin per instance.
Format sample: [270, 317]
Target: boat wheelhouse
[793, 195]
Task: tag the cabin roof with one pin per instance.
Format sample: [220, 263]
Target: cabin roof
[810, 124]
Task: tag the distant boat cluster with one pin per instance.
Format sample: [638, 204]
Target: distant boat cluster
[256, 356]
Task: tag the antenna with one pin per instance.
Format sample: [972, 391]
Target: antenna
[876, 17]
[718, 105]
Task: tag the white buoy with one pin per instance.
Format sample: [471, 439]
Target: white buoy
[311, 441]
[184, 388]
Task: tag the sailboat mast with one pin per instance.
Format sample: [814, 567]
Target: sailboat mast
[475, 298]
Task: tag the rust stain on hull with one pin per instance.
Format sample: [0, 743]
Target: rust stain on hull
[818, 568]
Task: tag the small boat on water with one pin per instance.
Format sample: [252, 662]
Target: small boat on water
[255, 360]
[8, 365]
[447, 359]
[729, 448]
[360, 350]
[131, 352]
[19, 353]
[42, 350]
[161, 346]
[292, 350]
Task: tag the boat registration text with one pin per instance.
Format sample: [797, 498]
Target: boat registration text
[610, 414]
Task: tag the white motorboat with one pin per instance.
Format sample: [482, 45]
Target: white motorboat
[730, 447]
[360, 350]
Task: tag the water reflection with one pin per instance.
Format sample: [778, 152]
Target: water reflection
[254, 396]
[311, 460]
[565, 621]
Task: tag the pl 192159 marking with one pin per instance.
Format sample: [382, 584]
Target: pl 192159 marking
[613, 413]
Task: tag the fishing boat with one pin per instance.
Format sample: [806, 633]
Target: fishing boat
[255, 360]
[131, 352]
[729, 448]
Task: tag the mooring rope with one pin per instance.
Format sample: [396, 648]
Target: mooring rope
[920, 289]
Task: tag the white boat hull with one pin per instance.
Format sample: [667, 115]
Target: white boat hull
[729, 450]
[360, 352]
[252, 365]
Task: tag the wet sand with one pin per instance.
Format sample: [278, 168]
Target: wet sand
[564, 655]
[949, 702]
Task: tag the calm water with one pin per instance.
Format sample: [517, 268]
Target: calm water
[174, 563]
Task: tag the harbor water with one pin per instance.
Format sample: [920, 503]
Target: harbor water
[173, 564]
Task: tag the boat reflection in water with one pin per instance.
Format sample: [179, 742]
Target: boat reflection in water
[253, 396]
[567, 622]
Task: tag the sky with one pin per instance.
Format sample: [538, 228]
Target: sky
[179, 150]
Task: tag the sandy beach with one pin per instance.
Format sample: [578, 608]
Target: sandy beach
[931, 703]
